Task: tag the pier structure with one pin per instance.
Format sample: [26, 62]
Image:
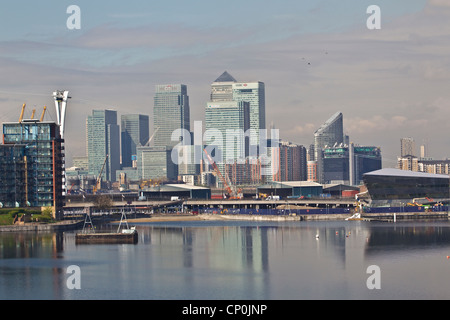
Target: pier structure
[153, 206]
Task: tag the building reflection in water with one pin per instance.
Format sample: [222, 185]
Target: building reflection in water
[29, 260]
[221, 253]
[234, 260]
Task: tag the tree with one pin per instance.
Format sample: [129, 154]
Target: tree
[102, 202]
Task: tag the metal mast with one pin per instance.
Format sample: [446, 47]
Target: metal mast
[61, 98]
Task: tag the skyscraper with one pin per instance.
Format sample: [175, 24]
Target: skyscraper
[222, 88]
[329, 134]
[103, 143]
[226, 123]
[254, 94]
[170, 112]
[227, 88]
[134, 132]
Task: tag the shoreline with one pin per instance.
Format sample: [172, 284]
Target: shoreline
[36, 227]
[229, 217]
[72, 225]
[163, 218]
[317, 217]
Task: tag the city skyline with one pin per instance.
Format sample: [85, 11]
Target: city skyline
[314, 58]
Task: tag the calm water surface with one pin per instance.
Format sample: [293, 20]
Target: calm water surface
[235, 260]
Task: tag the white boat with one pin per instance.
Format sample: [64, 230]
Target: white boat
[131, 230]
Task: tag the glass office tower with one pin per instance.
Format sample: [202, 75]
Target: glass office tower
[330, 134]
[347, 164]
[227, 88]
[155, 163]
[170, 112]
[254, 94]
[134, 132]
[226, 123]
[103, 143]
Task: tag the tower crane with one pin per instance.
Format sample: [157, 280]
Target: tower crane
[231, 192]
[153, 135]
[97, 183]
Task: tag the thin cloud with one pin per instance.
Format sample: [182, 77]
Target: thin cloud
[388, 83]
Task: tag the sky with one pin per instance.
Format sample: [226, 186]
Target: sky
[315, 58]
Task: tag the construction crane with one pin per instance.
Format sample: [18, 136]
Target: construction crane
[151, 138]
[43, 113]
[21, 114]
[232, 193]
[97, 183]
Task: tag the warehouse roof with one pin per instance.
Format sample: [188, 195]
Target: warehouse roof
[404, 173]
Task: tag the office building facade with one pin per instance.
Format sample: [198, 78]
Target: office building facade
[254, 94]
[227, 88]
[346, 164]
[134, 132]
[222, 88]
[103, 144]
[155, 163]
[329, 134]
[170, 112]
[32, 165]
[226, 124]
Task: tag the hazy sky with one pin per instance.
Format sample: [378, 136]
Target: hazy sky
[315, 57]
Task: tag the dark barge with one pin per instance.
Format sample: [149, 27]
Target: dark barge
[128, 236]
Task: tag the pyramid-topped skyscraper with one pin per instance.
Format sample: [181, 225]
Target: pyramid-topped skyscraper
[227, 88]
[225, 77]
[222, 88]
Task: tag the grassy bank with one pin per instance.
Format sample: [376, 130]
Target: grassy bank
[7, 216]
